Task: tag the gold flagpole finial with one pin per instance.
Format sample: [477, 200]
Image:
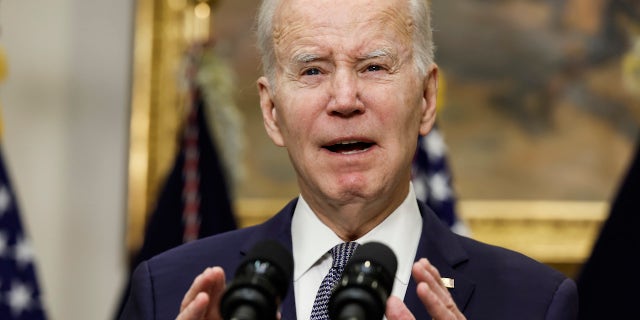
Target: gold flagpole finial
[4, 71]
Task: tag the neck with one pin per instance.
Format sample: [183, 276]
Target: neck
[353, 219]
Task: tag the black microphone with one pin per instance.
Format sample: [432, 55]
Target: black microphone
[365, 285]
[261, 282]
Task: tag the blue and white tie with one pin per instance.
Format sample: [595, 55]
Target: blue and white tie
[341, 254]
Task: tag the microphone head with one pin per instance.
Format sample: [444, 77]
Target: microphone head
[376, 253]
[261, 282]
[365, 284]
[271, 253]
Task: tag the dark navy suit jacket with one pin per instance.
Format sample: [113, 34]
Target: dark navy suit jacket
[490, 282]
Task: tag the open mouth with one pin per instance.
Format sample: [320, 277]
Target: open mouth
[349, 147]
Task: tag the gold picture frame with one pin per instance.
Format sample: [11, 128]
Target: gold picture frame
[163, 32]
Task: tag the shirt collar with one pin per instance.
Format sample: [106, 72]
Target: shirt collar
[311, 238]
[400, 231]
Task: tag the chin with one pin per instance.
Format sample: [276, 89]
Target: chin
[355, 192]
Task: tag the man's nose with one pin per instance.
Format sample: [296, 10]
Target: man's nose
[345, 100]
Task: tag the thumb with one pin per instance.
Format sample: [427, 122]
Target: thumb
[397, 310]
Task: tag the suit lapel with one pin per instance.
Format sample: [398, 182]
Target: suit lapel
[437, 243]
[442, 248]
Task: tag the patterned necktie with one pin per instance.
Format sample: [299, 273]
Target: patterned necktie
[341, 254]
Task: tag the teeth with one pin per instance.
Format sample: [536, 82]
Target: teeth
[348, 142]
[353, 152]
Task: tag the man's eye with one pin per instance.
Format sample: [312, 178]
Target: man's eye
[311, 72]
[374, 67]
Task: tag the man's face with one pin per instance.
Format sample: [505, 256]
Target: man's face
[347, 102]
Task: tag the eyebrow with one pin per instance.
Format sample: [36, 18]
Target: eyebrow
[305, 58]
[378, 53]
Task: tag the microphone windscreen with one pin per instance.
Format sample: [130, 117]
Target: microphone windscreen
[380, 253]
[261, 282]
[366, 283]
[273, 252]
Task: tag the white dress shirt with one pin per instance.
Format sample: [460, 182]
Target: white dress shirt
[312, 241]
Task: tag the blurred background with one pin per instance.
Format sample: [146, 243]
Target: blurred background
[539, 115]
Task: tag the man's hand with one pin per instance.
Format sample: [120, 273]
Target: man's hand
[431, 291]
[202, 301]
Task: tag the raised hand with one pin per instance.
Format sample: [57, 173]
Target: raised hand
[431, 291]
[202, 300]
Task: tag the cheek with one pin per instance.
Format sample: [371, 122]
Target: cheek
[414, 107]
[297, 116]
[399, 111]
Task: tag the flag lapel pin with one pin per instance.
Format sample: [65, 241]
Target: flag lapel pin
[448, 282]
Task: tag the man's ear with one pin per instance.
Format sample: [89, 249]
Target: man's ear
[269, 111]
[429, 99]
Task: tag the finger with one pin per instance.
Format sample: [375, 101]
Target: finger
[198, 285]
[424, 271]
[437, 307]
[196, 309]
[397, 310]
[209, 282]
[432, 301]
[216, 291]
[432, 292]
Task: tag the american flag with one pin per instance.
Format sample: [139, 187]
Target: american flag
[195, 200]
[432, 179]
[19, 290]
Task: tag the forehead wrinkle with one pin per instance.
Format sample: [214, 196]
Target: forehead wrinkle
[396, 18]
[292, 34]
[282, 30]
[292, 21]
[296, 30]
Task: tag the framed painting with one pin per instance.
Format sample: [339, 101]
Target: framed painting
[539, 109]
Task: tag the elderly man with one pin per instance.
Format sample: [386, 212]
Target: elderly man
[348, 88]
